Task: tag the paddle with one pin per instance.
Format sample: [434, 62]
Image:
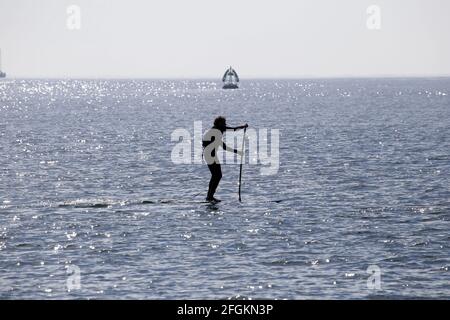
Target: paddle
[240, 169]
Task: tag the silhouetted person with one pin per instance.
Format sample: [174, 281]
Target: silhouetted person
[212, 140]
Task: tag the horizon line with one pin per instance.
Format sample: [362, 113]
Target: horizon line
[304, 77]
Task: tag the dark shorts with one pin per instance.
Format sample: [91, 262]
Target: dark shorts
[216, 169]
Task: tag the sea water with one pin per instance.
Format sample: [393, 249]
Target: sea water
[92, 205]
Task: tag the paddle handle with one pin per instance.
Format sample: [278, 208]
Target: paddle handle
[240, 169]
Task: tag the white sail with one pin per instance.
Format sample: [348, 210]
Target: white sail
[230, 78]
[2, 74]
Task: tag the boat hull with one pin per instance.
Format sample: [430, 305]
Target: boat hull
[230, 86]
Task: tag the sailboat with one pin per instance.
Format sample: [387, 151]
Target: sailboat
[2, 74]
[230, 79]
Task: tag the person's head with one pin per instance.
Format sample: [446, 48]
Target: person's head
[220, 123]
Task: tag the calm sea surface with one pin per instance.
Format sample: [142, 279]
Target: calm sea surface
[364, 180]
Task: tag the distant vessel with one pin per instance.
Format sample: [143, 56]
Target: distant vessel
[2, 74]
[230, 79]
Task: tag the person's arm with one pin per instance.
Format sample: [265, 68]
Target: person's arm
[237, 128]
[227, 148]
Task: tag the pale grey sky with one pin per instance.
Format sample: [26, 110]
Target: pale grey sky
[200, 38]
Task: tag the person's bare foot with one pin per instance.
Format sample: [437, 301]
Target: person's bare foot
[213, 200]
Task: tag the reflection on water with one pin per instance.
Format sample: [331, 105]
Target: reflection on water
[87, 182]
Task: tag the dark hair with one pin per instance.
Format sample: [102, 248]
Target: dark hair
[219, 122]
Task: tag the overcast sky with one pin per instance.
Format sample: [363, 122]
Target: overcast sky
[200, 38]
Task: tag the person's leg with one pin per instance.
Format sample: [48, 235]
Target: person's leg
[216, 175]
